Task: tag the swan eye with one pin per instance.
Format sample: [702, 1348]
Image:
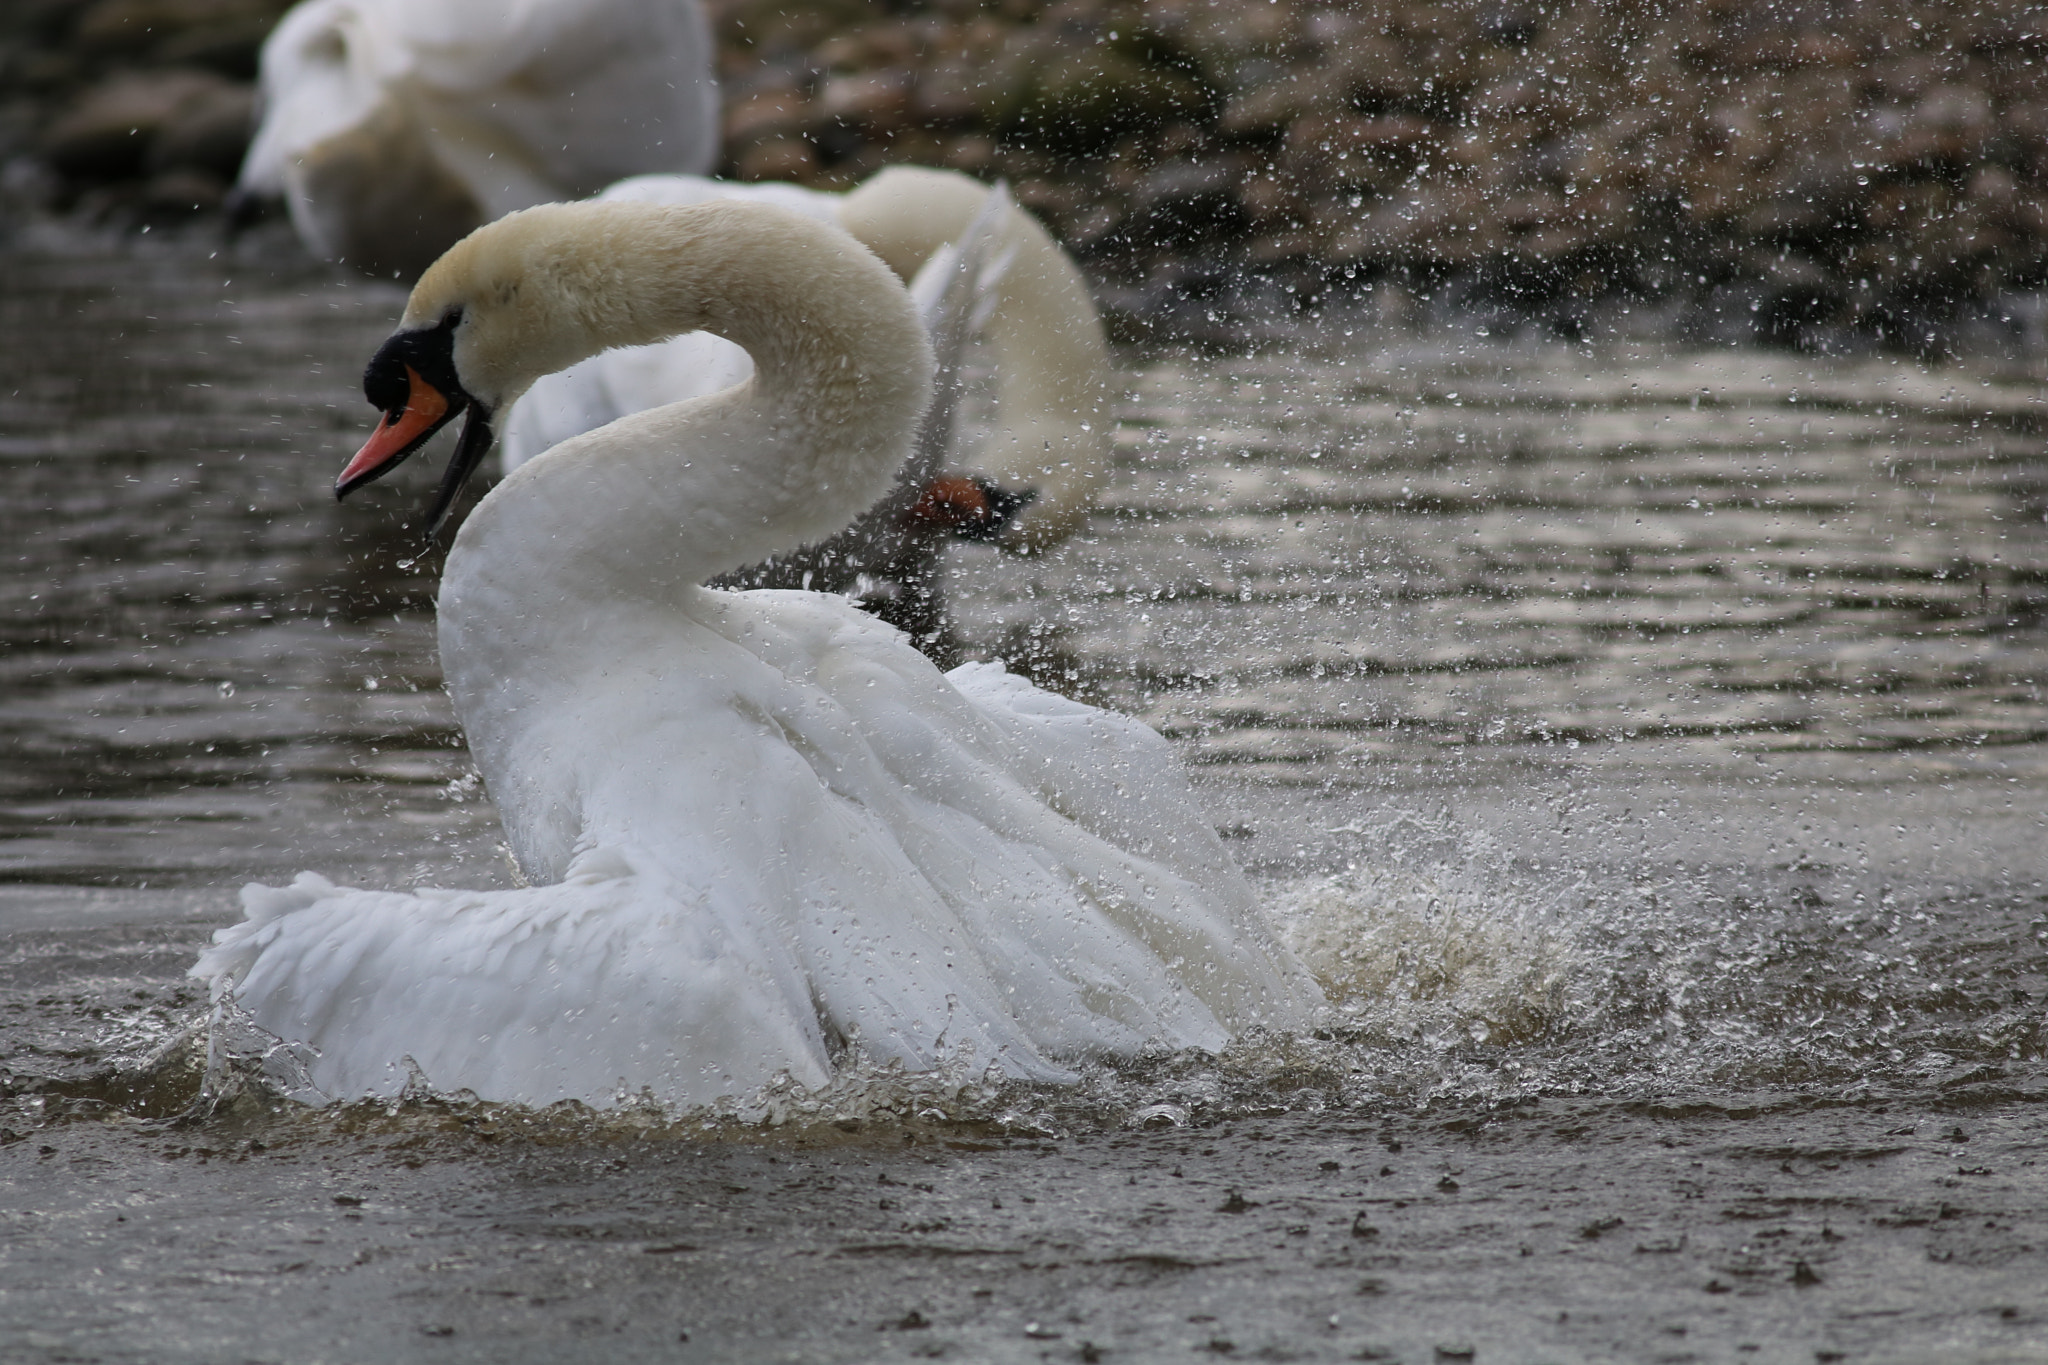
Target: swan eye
[428, 352]
[386, 383]
[412, 382]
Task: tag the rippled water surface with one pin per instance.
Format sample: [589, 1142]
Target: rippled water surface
[1649, 750]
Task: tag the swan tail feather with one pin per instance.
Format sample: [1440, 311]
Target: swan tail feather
[616, 981]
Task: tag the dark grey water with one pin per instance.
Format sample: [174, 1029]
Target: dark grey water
[1651, 751]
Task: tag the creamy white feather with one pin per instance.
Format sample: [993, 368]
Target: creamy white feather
[393, 127]
[1052, 377]
[758, 825]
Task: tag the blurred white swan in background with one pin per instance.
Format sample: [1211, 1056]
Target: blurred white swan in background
[392, 127]
[1049, 446]
[760, 826]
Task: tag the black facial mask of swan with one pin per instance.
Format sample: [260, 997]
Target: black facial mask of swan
[412, 381]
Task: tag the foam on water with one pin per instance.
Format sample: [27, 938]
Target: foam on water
[1426, 946]
[1461, 973]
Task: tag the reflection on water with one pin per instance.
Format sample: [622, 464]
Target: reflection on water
[1732, 665]
[208, 670]
[1318, 564]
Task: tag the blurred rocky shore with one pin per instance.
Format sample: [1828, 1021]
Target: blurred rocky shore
[1827, 176]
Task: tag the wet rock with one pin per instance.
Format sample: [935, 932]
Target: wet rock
[949, 95]
[1269, 108]
[877, 101]
[1086, 100]
[765, 115]
[208, 133]
[766, 26]
[113, 130]
[223, 35]
[180, 194]
[1903, 157]
[1183, 197]
[782, 158]
[973, 153]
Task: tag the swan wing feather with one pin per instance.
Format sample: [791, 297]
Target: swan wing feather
[618, 979]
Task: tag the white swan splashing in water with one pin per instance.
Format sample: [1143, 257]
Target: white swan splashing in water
[758, 825]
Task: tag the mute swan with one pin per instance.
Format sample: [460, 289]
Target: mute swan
[760, 828]
[1050, 444]
[393, 127]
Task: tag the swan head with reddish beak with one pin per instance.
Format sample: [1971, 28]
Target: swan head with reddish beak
[532, 293]
[412, 381]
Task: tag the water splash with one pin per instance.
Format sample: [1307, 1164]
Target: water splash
[243, 1059]
[1405, 954]
[1459, 973]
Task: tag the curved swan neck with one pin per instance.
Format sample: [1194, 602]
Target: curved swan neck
[842, 374]
[549, 286]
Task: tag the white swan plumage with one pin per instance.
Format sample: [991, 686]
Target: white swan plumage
[758, 827]
[1049, 438]
[392, 127]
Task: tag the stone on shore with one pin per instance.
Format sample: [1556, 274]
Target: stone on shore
[1869, 174]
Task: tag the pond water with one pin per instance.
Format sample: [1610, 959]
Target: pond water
[1650, 750]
